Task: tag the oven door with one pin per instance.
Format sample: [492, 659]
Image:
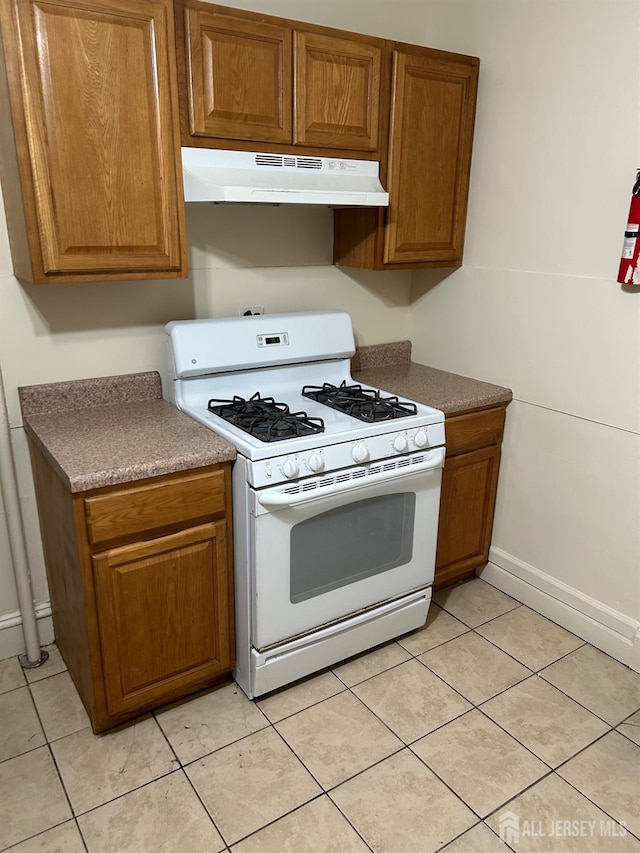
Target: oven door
[330, 546]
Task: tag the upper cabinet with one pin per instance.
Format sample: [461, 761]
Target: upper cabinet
[102, 93]
[266, 80]
[429, 158]
[240, 82]
[337, 86]
[427, 175]
[91, 173]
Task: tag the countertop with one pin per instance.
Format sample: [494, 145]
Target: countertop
[135, 435]
[118, 429]
[389, 367]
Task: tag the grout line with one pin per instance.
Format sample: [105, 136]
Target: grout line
[516, 605]
[53, 759]
[343, 688]
[618, 821]
[81, 834]
[126, 793]
[581, 793]
[42, 832]
[466, 698]
[12, 690]
[416, 655]
[513, 737]
[580, 751]
[61, 780]
[374, 675]
[299, 760]
[35, 734]
[46, 677]
[496, 835]
[453, 840]
[624, 735]
[204, 806]
[519, 794]
[75, 691]
[626, 720]
[319, 796]
[569, 696]
[128, 723]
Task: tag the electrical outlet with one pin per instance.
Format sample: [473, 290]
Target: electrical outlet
[250, 310]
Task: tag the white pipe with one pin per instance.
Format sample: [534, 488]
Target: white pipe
[15, 529]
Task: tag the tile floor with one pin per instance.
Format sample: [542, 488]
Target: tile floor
[490, 713]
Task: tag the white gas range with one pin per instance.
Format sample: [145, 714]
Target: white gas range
[336, 489]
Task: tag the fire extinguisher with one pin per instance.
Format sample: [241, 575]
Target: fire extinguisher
[629, 272]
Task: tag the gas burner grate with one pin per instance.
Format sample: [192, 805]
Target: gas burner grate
[365, 404]
[265, 419]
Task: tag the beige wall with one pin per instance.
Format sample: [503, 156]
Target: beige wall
[536, 306]
[404, 20]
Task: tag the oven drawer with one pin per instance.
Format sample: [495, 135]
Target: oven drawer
[474, 430]
[158, 506]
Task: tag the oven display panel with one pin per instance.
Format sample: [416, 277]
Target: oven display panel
[277, 339]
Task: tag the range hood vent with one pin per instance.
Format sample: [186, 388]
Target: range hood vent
[246, 176]
[285, 160]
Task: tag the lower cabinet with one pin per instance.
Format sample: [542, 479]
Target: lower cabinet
[141, 583]
[163, 614]
[469, 486]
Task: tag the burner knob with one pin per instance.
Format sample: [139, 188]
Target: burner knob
[421, 438]
[360, 453]
[290, 468]
[400, 443]
[315, 462]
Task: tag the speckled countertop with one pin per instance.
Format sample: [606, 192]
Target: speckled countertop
[135, 435]
[389, 366]
[117, 429]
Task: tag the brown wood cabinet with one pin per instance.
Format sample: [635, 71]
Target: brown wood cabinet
[91, 166]
[469, 486]
[429, 159]
[240, 84]
[259, 79]
[337, 90]
[141, 584]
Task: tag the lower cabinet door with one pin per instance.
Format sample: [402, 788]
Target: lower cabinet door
[467, 501]
[163, 612]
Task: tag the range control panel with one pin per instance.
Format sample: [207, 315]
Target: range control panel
[364, 451]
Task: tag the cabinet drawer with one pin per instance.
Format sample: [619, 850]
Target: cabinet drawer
[474, 430]
[137, 510]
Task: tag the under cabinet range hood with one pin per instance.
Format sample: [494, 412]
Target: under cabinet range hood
[211, 174]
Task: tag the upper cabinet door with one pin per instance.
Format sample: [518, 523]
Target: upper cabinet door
[239, 77]
[337, 85]
[433, 109]
[94, 103]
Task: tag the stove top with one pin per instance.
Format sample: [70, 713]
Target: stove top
[265, 419]
[365, 404]
[280, 389]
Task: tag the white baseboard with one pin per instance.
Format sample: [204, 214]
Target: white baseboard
[605, 628]
[11, 636]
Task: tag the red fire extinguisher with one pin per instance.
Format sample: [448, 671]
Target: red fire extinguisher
[629, 272]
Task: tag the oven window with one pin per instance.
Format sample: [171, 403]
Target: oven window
[353, 542]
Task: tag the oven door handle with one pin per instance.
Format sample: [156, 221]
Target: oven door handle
[273, 499]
